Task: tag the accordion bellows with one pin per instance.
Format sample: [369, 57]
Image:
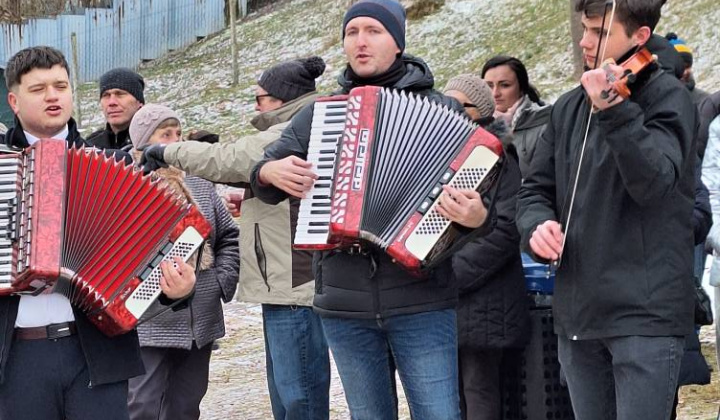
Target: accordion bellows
[82, 224]
[382, 158]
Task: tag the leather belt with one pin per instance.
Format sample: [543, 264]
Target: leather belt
[49, 332]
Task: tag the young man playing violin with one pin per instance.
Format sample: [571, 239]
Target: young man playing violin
[609, 199]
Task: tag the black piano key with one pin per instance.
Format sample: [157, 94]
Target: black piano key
[311, 231]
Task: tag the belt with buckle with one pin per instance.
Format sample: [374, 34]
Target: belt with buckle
[49, 332]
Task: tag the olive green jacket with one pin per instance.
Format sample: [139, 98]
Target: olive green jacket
[270, 271]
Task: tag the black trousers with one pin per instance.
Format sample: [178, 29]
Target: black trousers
[49, 380]
[480, 384]
[175, 382]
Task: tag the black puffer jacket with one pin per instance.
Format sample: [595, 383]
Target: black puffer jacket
[364, 286]
[493, 311]
[628, 257]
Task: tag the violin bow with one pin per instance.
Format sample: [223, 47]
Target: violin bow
[611, 3]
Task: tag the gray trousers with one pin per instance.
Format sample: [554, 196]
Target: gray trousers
[622, 378]
[174, 383]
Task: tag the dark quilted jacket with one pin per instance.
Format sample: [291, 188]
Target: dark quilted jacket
[202, 321]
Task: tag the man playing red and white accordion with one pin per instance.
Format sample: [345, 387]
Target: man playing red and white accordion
[54, 363]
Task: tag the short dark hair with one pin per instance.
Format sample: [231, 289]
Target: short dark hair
[29, 59]
[520, 72]
[632, 14]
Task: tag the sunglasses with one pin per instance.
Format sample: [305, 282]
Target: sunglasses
[257, 97]
[469, 105]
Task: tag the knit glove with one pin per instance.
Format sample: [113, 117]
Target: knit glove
[153, 158]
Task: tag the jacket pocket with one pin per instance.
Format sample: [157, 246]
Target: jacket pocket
[260, 255]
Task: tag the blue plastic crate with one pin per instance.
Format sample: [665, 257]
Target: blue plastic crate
[538, 277]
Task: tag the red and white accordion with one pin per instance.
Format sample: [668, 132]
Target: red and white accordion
[382, 158]
[82, 224]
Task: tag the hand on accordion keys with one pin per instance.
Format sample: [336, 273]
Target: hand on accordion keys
[464, 207]
[291, 174]
[177, 282]
[153, 158]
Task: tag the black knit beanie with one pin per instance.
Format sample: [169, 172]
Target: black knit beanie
[125, 79]
[388, 12]
[292, 79]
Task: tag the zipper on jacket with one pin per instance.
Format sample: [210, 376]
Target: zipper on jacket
[375, 288]
[260, 255]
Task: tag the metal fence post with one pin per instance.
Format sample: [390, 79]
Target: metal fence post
[233, 43]
[76, 66]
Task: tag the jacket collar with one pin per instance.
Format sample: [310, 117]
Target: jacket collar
[418, 76]
[265, 120]
[15, 137]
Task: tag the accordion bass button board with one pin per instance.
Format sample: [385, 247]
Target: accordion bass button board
[392, 155]
[79, 223]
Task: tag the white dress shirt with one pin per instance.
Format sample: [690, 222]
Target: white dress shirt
[45, 309]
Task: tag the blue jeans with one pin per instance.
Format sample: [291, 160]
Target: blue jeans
[297, 363]
[423, 348]
[622, 378]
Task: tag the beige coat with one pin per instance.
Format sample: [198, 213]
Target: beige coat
[265, 230]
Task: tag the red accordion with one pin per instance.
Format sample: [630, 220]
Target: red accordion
[82, 224]
[382, 158]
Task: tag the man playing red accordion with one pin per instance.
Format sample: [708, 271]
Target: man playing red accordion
[54, 363]
[377, 317]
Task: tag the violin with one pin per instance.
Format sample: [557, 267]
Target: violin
[631, 68]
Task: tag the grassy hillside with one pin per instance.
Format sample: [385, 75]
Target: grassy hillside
[456, 39]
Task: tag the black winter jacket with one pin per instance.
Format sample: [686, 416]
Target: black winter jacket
[107, 139]
[364, 286]
[493, 310]
[628, 259]
[109, 359]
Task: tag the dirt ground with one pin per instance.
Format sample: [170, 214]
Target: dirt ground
[238, 389]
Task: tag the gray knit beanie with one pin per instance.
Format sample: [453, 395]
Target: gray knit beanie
[477, 91]
[146, 121]
[124, 79]
[292, 79]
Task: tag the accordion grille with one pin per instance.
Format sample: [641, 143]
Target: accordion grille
[147, 290]
[466, 178]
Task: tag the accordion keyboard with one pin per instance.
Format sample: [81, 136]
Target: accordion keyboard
[314, 216]
[9, 179]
